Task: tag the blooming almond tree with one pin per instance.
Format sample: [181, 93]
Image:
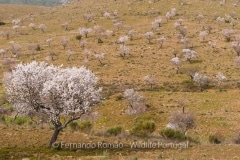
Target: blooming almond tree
[136, 102]
[64, 41]
[42, 27]
[149, 36]
[202, 80]
[99, 57]
[124, 50]
[123, 39]
[59, 93]
[189, 54]
[176, 61]
[220, 79]
[150, 80]
[84, 31]
[2, 52]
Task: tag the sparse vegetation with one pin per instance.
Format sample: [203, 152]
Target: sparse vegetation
[197, 39]
[216, 138]
[143, 128]
[114, 130]
[170, 133]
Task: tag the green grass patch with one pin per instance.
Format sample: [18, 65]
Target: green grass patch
[115, 130]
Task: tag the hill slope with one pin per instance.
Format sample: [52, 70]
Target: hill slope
[216, 109]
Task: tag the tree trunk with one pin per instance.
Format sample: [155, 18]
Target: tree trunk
[53, 139]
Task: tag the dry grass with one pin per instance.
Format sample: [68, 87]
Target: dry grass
[214, 111]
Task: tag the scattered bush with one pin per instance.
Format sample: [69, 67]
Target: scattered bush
[2, 119]
[2, 23]
[237, 139]
[170, 133]
[78, 37]
[20, 120]
[216, 138]
[74, 126]
[119, 97]
[85, 126]
[143, 128]
[114, 130]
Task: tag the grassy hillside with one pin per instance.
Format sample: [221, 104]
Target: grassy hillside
[216, 110]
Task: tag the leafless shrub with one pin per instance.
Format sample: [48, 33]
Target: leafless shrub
[132, 33]
[51, 56]
[9, 63]
[181, 121]
[69, 54]
[88, 16]
[203, 35]
[83, 43]
[42, 27]
[99, 57]
[33, 48]
[15, 48]
[49, 41]
[3, 52]
[236, 47]
[213, 45]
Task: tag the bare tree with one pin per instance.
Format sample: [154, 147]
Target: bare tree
[33, 48]
[181, 121]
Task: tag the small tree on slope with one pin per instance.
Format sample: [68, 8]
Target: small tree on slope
[54, 91]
